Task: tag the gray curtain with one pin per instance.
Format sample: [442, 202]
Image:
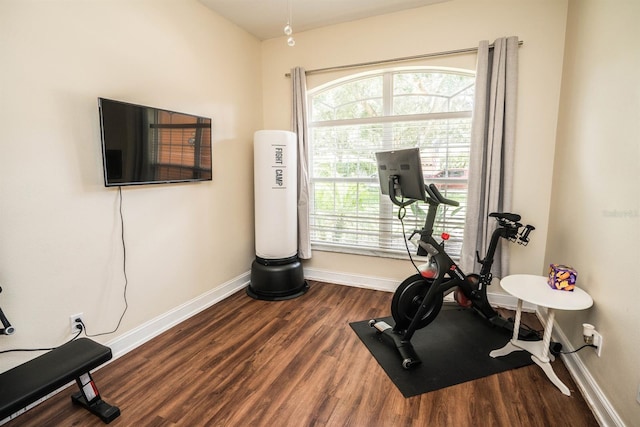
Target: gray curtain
[299, 127]
[492, 148]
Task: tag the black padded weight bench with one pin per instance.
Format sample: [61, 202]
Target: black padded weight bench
[33, 380]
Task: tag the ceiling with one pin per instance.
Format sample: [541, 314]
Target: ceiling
[266, 19]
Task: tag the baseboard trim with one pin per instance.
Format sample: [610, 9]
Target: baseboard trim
[154, 327]
[602, 409]
[355, 280]
[390, 285]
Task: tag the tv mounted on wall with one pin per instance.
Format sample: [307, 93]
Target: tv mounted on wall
[146, 145]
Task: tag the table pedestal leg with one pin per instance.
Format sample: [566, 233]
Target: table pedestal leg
[539, 351]
[548, 369]
[508, 348]
[512, 345]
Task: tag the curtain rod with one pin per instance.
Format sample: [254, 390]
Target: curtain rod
[401, 59]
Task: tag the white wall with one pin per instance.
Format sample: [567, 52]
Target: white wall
[442, 27]
[60, 249]
[595, 209]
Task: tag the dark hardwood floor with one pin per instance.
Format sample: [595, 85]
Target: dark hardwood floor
[245, 362]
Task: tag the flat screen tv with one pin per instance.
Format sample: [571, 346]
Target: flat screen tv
[146, 145]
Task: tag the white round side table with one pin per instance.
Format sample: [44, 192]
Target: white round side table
[535, 290]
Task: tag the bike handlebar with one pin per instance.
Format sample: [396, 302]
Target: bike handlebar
[435, 194]
[432, 192]
[524, 236]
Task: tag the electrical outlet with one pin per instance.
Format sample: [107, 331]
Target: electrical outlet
[74, 324]
[597, 341]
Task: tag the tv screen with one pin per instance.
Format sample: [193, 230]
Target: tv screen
[407, 167]
[145, 145]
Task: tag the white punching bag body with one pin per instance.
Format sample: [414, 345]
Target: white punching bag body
[275, 187]
[276, 273]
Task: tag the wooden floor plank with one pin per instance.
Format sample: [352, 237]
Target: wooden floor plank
[244, 362]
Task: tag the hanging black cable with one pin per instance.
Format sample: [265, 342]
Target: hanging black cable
[124, 272]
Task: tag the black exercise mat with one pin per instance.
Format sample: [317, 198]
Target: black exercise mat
[454, 349]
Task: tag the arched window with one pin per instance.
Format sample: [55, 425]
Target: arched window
[351, 119]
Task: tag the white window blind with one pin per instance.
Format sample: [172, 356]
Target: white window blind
[351, 120]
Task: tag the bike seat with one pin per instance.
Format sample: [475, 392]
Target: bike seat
[506, 216]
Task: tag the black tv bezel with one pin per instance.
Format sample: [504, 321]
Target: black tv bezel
[108, 183]
[406, 164]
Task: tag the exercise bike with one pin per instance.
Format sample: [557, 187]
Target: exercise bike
[419, 298]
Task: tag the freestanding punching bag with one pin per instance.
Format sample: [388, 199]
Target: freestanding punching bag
[276, 273]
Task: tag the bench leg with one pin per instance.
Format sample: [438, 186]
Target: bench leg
[90, 399]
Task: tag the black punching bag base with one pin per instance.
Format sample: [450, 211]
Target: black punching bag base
[277, 280]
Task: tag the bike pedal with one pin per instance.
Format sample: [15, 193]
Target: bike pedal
[381, 326]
